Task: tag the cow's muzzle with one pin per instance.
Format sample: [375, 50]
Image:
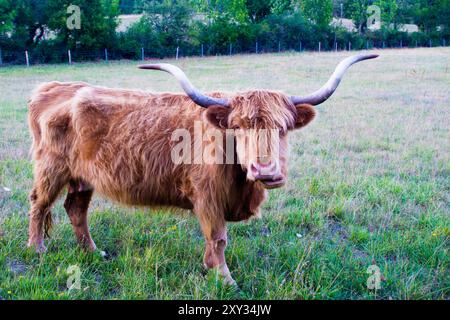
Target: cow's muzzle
[273, 182]
[268, 174]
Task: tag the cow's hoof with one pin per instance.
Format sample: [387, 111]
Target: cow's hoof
[226, 276]
[38, 247]
[229, 281]
[224, 273]
[41, 249]
[103, 254]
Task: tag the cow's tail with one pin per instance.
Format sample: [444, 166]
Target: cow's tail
[33, 116]
[48, 223]
[35, 133]
[36, 137]
[35, 110]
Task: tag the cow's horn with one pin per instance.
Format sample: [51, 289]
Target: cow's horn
[191, 91]
[327, 90]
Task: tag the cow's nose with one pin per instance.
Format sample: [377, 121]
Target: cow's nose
[263, 170]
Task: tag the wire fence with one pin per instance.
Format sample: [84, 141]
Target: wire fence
[41, 56]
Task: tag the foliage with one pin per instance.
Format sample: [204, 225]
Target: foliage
[7, 15]
[389, 10]
[357, 11]
[98, 23]
[318, 11]
[39, 26]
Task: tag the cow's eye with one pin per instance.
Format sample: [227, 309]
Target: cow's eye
[235, 127]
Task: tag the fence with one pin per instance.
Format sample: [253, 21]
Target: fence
[44, 56]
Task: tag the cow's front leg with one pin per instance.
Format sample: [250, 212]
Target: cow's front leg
[215, 233]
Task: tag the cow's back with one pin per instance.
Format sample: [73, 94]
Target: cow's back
[118, 141]
[122, 144]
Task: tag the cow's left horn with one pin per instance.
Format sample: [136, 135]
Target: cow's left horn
[191, 91]
[328, 89]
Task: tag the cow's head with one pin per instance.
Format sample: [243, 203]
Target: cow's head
[261, 120]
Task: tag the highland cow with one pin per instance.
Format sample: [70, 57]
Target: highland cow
[118, 143]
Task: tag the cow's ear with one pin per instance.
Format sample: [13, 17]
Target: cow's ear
[218, 116]
[305, 114]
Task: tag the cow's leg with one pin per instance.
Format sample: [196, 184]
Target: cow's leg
[76, 205]
[215, 233]
[48, 183]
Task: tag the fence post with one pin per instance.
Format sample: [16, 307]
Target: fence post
[279, 46]
[401, 43]
[201, 51]
[256, 47]
[443, 44]
[142, 54]
[430, 43]
[231, 48]
[69, 55]
[106, 55]
[349, 46]
[1, 59]
[320, 46]
[178, 51]
[300, 46]
[27, 59]
[335, 46]
[367, 44]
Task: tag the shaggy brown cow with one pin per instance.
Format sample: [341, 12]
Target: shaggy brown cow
[118, 143]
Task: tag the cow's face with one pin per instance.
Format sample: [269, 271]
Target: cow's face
[261, 121]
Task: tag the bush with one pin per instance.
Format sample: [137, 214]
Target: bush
[168, 25]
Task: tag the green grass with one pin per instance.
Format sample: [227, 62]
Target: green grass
[368, 184]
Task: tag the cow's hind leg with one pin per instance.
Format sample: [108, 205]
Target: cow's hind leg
[50, 177]
[76, 205]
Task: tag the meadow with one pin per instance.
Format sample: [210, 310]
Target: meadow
[368, 185]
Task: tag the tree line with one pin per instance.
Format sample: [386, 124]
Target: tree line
[195, 27]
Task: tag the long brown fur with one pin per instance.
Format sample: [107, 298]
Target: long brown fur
[117, 142]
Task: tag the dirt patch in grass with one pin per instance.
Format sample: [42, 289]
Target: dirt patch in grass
[16, 267]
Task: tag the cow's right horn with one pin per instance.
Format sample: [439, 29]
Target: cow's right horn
[328, 89]
[196, 96]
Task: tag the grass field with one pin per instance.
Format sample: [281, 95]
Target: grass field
[368, 184]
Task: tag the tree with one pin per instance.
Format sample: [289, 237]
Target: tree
[357, 11]
[7, 15]
[318, 11]
[140, 35]
[128, 6]
[431, 14]
[29, 22]
[258, 10]
[98, 23]
[388, 9]
[170, 20]
[231, 10]
[226, 21]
